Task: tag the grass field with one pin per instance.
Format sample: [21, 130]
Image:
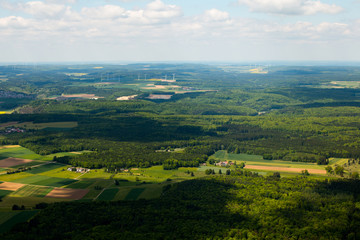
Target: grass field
[152, 191]
[258, 160]
[4, 216]
[28, 202]
[3, 193]
[108, 194]
[157, 174]
[134, 193]
[13, 177]
[18, 152]
[45, 181]
[45, 168]
[61, 172]
[22, 216]
[21, 152]
[81, 184]
[31, 191]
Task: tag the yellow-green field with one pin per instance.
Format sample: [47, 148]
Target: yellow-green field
[286, 167]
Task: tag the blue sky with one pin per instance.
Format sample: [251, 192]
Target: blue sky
[179, 30]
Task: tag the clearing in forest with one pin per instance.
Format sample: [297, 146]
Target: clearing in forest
[285, 169]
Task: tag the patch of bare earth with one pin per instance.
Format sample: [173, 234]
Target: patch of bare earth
[10, 186]
[9, 146]
[285, 169]
[68, 193]
[9, 162]
[157, 96]
[88, 96]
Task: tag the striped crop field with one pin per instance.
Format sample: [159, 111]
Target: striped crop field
[32, 191]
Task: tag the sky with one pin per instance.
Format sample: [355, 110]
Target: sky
[179, 30]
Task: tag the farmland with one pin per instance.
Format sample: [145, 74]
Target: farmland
[220, 151]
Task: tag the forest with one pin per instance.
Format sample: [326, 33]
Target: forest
[231, 207]
[306, 114]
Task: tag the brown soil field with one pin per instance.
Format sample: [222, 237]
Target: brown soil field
[156, 96]
[10, 186]
[285, 169]
[9, 162]
[152, 86]
[68, 193]
[79, 95]
[9, 146]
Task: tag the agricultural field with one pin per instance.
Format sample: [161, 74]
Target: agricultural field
[31, 191]
[108, 194]
[256, 162]
[51, 182]
[24, 153]
[9, 219]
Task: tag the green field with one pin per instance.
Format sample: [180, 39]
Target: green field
[45, 181]
[31, 191]
[258, 160]
[82, 184]
[3, 193]
[61, 172]
[45, 168]
[14, 177]
[21, 152]
[4, 216]
[108, 194]
[29, 202]
[134, 193]
[18, 152]
[22, 216]
[29, 164]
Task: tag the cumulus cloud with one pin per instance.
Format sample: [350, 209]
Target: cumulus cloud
[104, 12]
[13, 22]
[216, 15]
[38, 9]
[158, 10]
[291, 7]
[156, 24]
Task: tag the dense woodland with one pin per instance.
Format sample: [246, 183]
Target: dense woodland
[291, 113]
[231, 207]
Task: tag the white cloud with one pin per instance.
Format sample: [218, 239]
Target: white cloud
[291, 7]
[41, 9]
[216, 15]
[104, 12]
[14, 22]
[158, 27]
[159, 10]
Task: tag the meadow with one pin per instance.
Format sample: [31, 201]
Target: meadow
[258, 160]
[21, 152]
